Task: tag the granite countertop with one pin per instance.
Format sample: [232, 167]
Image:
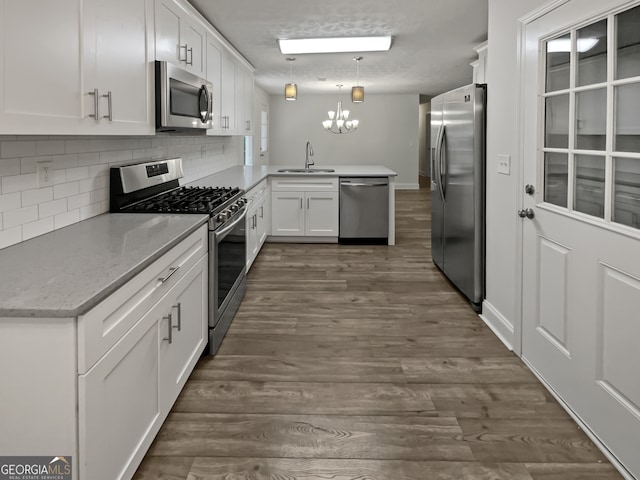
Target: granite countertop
[67, 272]
[249, 176]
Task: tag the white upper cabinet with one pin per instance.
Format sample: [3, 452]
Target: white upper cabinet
[49, 63]
[232, 81]
[180, 37]
[117, 65]
[40, 82]
[244, 83]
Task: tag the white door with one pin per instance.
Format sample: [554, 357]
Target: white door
[581, 270]
[322, 214]
[287, 215]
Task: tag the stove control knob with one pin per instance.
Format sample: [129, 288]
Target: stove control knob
[222, 217]
[234, 208]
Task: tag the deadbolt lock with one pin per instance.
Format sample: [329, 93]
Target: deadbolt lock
[530, 189]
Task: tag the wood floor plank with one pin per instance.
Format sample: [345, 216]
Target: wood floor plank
[305, 398]
[572, 471]
[164, 468]
[475, 370]
[208, 468]
[507, 401]
[298, 369]
[316, 436]
[363, 362]
[546, 440]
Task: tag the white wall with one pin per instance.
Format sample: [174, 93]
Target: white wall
[503, 191]
[81, 174]
[388, 133]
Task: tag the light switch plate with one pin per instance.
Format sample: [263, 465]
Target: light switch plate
[504, 164]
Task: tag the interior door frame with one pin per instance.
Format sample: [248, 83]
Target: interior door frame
[521, 113]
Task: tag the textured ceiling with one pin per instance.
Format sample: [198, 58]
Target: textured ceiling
[431, 51]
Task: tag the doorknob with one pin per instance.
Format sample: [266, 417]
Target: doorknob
[527, 212]
[529, 189]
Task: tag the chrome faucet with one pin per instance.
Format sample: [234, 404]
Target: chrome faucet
[307, 162]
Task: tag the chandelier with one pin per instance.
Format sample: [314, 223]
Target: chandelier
[338, 121]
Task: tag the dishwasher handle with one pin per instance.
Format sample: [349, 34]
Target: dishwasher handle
[362, 184]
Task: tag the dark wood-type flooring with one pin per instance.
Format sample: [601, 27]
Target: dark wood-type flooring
[364, 363]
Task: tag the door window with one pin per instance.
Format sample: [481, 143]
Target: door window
[591, 155]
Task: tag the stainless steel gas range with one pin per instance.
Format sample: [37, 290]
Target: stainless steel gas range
[153, 187]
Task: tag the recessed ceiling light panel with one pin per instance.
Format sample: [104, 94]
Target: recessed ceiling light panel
[334, 45]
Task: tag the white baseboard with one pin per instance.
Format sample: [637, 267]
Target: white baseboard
[585, 427]
[407, 186]
[498, 324]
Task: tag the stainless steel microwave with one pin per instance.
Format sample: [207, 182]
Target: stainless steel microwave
[183, 101]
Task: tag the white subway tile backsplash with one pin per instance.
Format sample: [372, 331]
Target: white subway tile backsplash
[50, 147]
[10, 201]
[80, 174]
[20, 148]
[30, 164]
[20, 216]
[61, 162]
[10, 236]
[66, 190]
[9, 166]
[93, 210]
[37, 195]
[88, 159]
[49, 209]
[101, 195]
[117, 156]
[67, 218]
[18, 183]
[77, 201]
[40, 227]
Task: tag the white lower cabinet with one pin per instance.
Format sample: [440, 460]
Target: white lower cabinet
[119, 404]
[302, 206]
[183, 333]
[127, 395]
[258, 220]
[97, 387]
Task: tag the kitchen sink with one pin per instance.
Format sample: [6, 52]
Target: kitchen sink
[306, 170]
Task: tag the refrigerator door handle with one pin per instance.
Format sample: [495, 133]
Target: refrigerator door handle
[436, 161]
[442, 168]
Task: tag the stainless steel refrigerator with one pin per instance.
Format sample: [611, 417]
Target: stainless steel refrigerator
[458, 188]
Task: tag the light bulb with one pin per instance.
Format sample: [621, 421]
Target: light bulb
[327, 124]
[345, 114]
[332, 114]
[340, 123]
[355, 123]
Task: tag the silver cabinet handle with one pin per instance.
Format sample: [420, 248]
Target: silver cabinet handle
[96, 104]
[179, 308]
[109, 105]
[248, 125]
[172, 270]
[301, 207]
[190, 50]
[186, 51]
[308, 203]
[262, 211]
[169, 329]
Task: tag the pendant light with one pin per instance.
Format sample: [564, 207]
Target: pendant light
[290, 89]
[338, 121]
[357, 92]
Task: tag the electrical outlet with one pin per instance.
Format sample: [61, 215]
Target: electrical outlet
[45, 174]
[504, 164]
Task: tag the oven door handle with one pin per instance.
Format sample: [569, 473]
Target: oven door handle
[226, 230]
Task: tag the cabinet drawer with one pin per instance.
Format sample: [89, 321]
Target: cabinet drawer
[256, 193]
[304, 184]
[101, 327]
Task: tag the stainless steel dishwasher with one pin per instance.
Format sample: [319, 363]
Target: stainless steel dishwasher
[364, 210]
